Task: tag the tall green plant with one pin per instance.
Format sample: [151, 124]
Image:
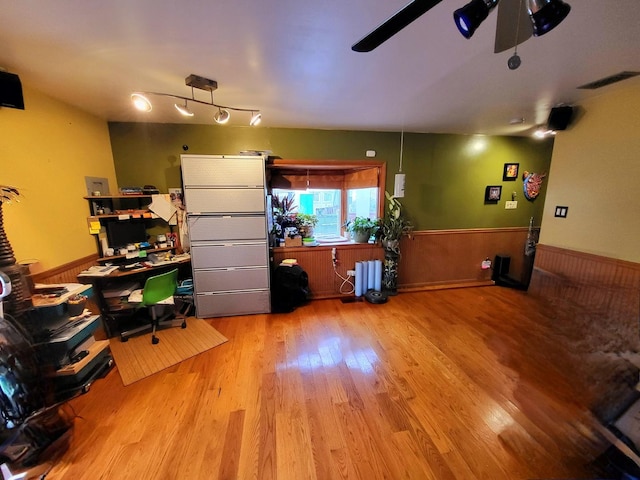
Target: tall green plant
[394, 224]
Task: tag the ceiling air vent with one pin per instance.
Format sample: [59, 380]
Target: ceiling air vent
[603, 82]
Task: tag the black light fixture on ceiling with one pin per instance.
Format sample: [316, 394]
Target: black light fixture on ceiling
[469, 17]
[544, 14]
[142, 102]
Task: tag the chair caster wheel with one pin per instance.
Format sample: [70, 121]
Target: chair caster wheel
[184, 325]
[124, 339]
[155, 340]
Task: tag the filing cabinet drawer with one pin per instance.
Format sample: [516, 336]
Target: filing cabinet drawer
[203, 227]
[232, 303]
[224, 255]
[231, 279]
[225, 200]
[222, 172]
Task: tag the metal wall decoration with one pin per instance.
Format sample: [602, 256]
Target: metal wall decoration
[532, 182]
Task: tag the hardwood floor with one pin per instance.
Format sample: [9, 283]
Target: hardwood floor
[450, 384]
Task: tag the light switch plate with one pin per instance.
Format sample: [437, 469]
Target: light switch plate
[561, 211]
[511, 204]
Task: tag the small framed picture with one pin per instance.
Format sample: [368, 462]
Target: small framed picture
[492, 193]
[510, 172]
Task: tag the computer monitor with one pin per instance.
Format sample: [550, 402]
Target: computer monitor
[123, 232]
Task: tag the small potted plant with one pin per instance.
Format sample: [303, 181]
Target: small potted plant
[75, 305]
[362, 228]
[305, 224]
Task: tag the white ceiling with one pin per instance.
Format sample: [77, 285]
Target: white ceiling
[292, 60]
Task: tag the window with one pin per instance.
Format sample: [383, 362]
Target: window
[333, 191]
[325, 204]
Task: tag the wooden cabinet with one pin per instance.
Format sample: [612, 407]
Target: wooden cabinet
[225, 199]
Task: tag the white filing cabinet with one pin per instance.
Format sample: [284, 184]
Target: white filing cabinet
[225, 198]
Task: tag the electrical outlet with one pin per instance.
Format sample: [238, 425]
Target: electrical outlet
[351, 273]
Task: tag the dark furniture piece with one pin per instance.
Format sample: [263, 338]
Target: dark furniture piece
[111, 293]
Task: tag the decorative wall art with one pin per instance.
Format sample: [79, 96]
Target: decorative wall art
[532, 184]
[492, 193]
[510, 172]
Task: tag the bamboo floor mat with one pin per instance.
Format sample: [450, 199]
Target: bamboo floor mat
[138, 358]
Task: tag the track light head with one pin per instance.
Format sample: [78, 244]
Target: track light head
[256, 118]
[546, 14]
[184, 109]
[141, 102]
[222, 116]
[469, 17]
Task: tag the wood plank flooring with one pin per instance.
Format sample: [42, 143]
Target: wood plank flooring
[450, 384]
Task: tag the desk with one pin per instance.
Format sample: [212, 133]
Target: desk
[112, 289]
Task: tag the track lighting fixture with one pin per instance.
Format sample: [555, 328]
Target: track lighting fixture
[469, 17]
[222, 116]
[256, 118]
[544, 14]
[184, 109]
[141, 102]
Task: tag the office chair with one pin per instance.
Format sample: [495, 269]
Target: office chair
[158, 292]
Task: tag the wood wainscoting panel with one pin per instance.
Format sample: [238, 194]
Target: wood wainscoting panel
[317, 262]
[430, 259]
[67, 273]
[448, 257]
[595, 302]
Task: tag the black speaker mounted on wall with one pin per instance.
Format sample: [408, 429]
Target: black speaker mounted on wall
[560, 118]
[11, 91]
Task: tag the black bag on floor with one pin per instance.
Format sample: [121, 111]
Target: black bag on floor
[289, 288]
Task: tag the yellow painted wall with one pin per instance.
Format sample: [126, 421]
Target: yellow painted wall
[46, 151]
[595, 171]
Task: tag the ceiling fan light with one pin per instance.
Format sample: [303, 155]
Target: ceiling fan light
[141, 102]
[546, 14]
[184, 110]
[222, 116]
[256, 118]
[469, 17]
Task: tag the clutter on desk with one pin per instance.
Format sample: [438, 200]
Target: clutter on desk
[98, 271]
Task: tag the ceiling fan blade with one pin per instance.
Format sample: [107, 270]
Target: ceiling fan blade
[513, 20]
[393, 25]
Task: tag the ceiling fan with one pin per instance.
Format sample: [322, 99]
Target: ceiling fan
[517, 20]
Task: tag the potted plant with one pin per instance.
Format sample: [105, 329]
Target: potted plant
[305, 223]
[362, 228]
[283, 211]
[394, 226]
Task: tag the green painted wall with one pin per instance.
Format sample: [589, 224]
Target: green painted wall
[446, 175]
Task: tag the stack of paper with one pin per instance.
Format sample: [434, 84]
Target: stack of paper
[289, 262]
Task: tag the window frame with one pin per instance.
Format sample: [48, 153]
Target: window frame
[315, 168]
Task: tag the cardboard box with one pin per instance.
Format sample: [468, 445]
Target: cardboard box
[293, 242]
